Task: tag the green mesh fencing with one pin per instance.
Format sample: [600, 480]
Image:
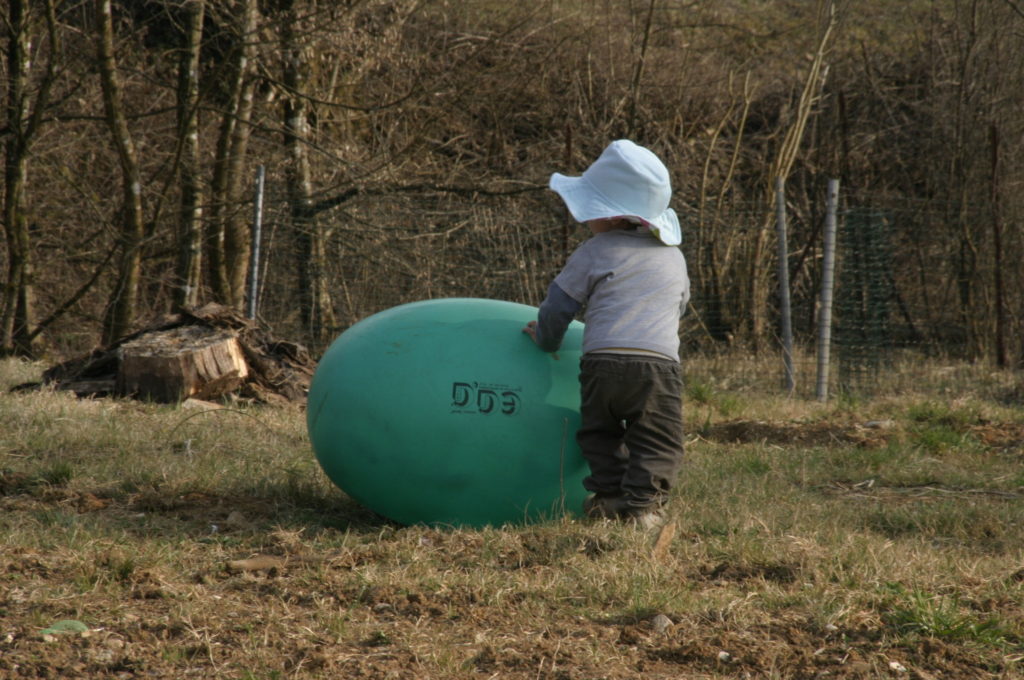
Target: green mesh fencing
[862, 335]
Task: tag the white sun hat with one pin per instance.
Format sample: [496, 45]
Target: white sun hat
[627, 180]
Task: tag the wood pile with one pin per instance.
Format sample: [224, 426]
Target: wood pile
[206, 353]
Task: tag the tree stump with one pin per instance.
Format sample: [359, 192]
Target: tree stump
[189, 361]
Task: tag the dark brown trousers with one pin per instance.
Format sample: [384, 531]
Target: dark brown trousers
[631, 429]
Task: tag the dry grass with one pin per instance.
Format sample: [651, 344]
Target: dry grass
[807, 544]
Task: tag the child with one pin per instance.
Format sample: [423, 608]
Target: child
[632, 283]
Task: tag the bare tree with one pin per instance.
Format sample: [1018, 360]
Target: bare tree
[316, 306]
[409, 123]
[122, 307]
[24, 119]
[190, 241]
[229, 242]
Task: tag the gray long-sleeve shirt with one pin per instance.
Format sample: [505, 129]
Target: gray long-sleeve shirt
[634, 290]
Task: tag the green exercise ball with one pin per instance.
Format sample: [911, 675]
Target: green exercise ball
[443, 412]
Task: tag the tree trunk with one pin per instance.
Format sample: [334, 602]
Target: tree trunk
[316, 308]
[122, 308]
[230, 242]
[963, 152]
[17, 302]
[190, 242]
[17, 309]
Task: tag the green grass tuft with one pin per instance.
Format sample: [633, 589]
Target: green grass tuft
[917, 613]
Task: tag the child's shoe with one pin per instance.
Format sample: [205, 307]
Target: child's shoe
[649, 519]
[601, 506]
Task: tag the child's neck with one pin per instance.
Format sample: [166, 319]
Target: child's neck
[610, 224]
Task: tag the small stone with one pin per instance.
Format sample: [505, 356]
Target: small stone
[897, 667]
[661, 623]
[724, 656]
[102, 656]
[236, 520]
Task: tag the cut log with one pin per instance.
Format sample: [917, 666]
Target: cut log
[269, 370]
[189, 361]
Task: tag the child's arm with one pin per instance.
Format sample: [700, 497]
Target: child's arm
[554, 317]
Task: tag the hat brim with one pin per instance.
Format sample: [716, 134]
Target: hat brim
[585, 203]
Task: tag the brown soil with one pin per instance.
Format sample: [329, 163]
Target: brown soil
[246, 598]
[1005, 438]
[287, 613]
[794, 434]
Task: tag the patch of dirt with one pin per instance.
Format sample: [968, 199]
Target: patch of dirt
[244, 596]
[796, 434]
[776, 573]
[804, 651]
[273, 624]
[218, 610]
[1006, 438]
[1002, 438]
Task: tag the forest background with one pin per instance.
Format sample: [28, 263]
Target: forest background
[406, 146]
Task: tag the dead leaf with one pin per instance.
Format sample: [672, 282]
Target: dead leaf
[258, 563]
[661, 545]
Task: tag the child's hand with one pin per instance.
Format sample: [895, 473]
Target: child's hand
[531, 330]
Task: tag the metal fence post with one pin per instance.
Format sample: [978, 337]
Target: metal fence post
[827, 278]
[257, 229]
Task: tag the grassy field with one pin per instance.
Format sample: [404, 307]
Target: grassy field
[858, 539]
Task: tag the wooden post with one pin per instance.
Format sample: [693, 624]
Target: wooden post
[784, 301]
[827, 278]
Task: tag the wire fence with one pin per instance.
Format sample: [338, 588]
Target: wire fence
[913, 295]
